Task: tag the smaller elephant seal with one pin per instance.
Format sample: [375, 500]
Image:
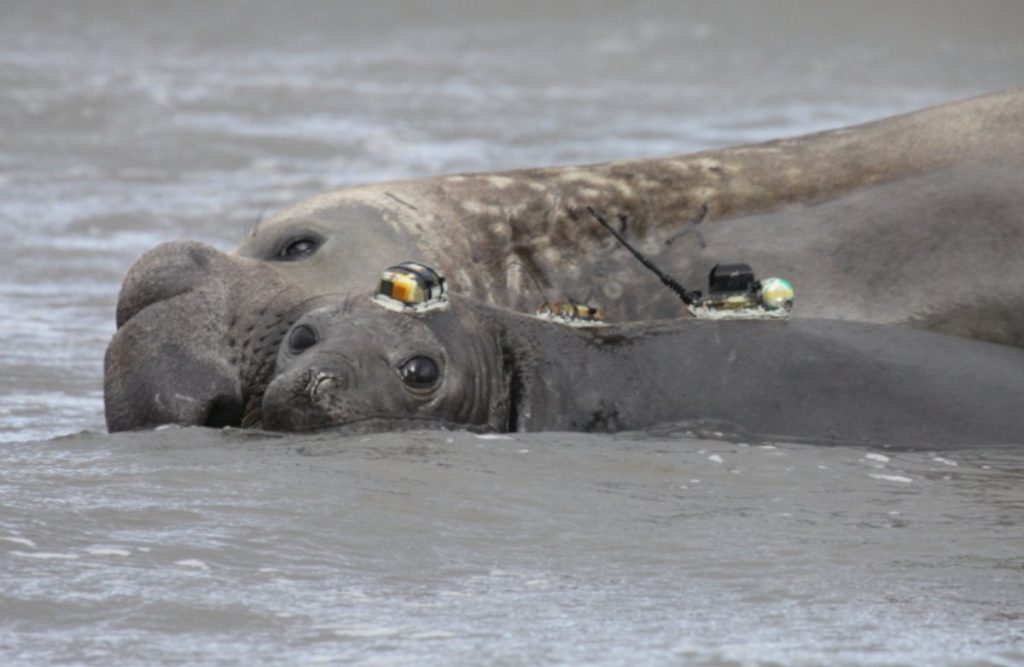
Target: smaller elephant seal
[472, 366]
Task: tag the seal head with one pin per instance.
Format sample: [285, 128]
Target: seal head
[362, 366]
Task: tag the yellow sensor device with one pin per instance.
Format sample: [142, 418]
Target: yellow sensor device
[411, 285]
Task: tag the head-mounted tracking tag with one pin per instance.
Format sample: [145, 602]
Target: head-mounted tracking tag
[411, 285]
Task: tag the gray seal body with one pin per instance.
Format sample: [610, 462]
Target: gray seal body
[824, 381]
[910, 220]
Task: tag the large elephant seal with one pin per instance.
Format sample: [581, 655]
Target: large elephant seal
[469, 365]
[198, 328]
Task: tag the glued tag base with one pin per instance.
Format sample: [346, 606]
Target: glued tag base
[757, 313]
[438, 303]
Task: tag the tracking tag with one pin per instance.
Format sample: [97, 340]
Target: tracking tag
[411, 286]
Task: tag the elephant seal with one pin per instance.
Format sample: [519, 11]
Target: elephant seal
[475, 366]
[198, 329]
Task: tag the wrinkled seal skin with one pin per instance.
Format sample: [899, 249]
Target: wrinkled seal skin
[826, 381]
[198, 328]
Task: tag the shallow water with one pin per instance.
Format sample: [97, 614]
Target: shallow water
[125, 125]
[193, 545]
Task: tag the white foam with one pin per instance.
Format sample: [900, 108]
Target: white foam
[192, 562]
[880, 458]
[945, 461]
[108, 551]
[492, 436]
[433, 634]
[364, 631]
[44, 555]
[23, 541]
[715, 458]
[892, 478]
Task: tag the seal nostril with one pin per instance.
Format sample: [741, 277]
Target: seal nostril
[224, 411]
[323, 389]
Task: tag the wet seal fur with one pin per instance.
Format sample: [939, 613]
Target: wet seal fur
[909, 220]
[823, 381]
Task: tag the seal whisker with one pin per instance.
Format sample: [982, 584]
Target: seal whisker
[254, 227]
[533, 279]
[252, 416]
[702, 213]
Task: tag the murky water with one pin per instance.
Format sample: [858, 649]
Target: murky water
[125, 124]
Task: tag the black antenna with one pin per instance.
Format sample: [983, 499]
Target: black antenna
[668, 280]
[533, 279]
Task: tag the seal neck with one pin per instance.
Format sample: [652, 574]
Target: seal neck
[556, 377]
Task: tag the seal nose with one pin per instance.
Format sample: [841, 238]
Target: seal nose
[177, 388]
[301, 399]
[166, 271]
[170, 360]
[322, 386]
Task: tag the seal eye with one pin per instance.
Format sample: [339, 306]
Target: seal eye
[298, 248]
[419, 372]
[302, 338]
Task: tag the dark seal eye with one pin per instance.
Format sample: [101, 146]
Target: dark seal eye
[298, 248]
[419, 372]
[301, 338]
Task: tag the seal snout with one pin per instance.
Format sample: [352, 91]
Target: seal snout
[324, 388]
[323, 384]
[169, 270]
[167, 362]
